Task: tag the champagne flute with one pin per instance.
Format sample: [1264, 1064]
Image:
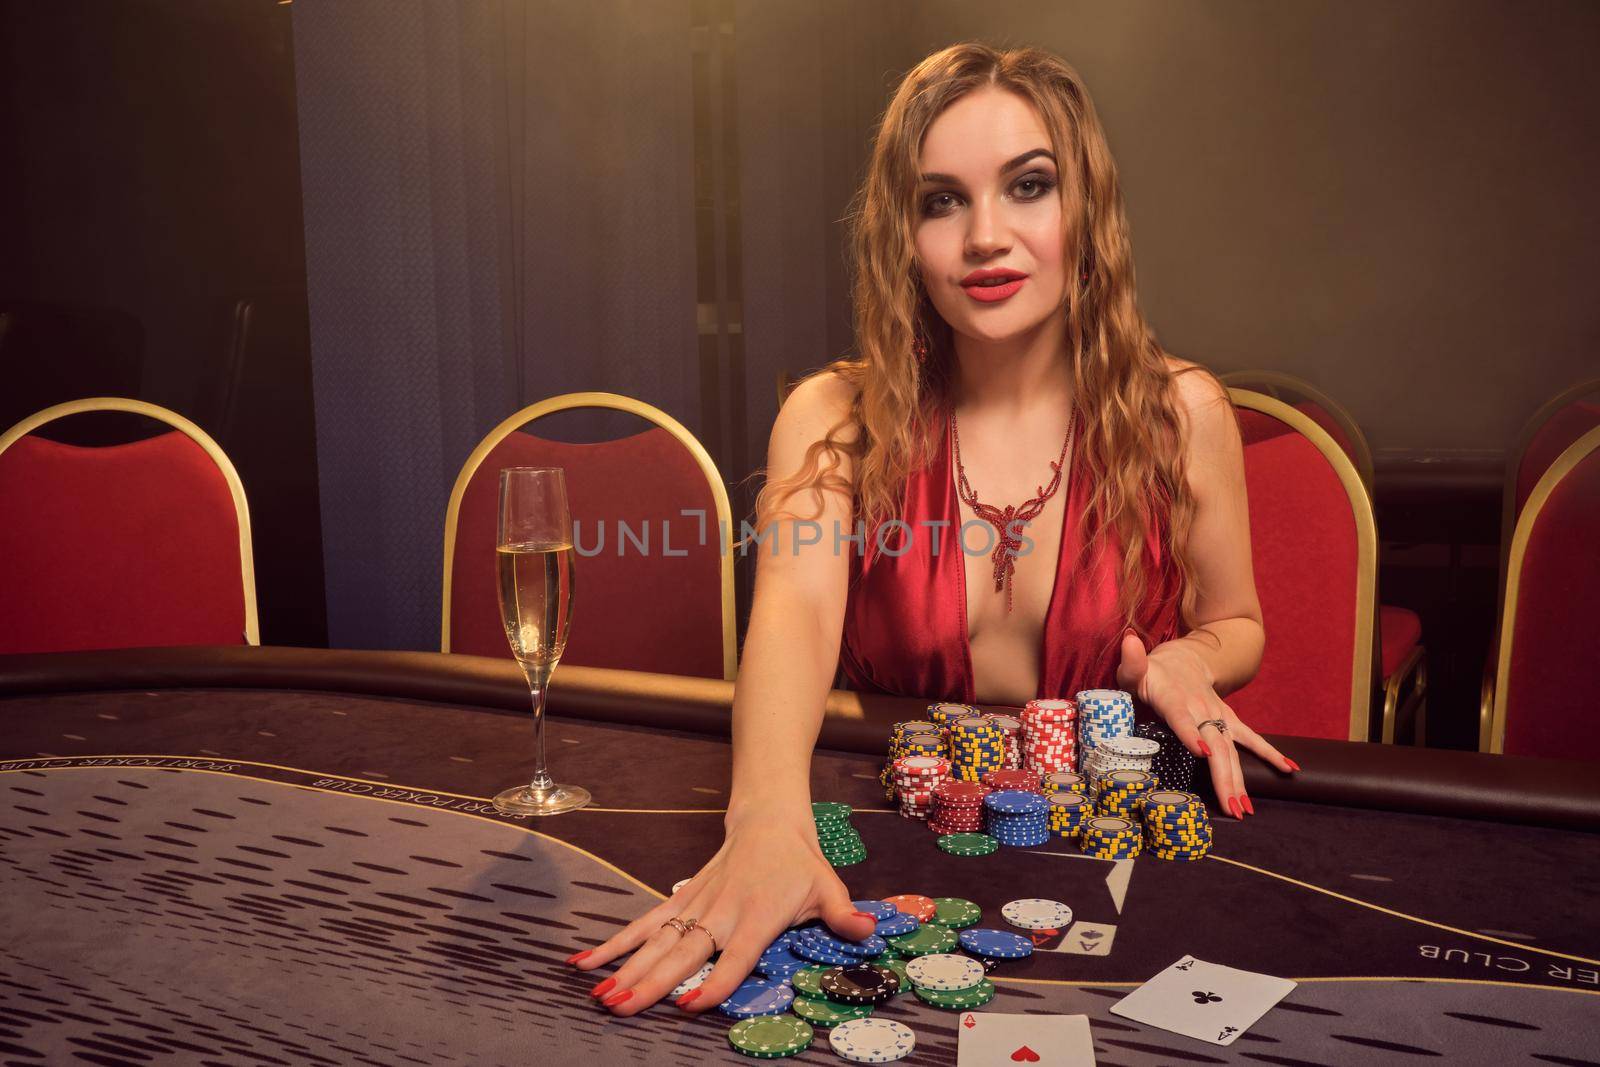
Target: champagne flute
[534, 557]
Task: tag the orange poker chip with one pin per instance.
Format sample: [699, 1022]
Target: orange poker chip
[913, 904]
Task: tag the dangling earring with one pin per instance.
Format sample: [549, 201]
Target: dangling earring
[919, 349]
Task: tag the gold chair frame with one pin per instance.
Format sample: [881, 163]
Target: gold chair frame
[1492, 709]
[1361, 665]
[651, 414]
[1335, 410]
[230, 475]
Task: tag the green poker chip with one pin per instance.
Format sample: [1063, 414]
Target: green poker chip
[969, 844]
[955, 913]
[959, 1000]
[805, 981]
[830, 809]
[770, 1037]
[820, 1011]
[924, 942]
[897, 965]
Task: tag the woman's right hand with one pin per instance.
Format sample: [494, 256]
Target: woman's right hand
[770, 874]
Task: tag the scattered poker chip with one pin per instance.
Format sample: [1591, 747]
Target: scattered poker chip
[820, 951]
[955, 913]
[871, 945]
[1033, 913]
[872, 1040]
[864, 983]
[900, 923]
[694, 981]
[820, 1011]
[805, 981]
[996, 944]
[898, 966]
[944, 972]
[878, 909]
[968, 844]
[758, 996]
[926, 941]
[912, 904]
[680, 884]
[781, 968]
[771, 1037]
[961, 1000]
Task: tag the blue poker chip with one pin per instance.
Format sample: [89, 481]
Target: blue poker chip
[878, 909]
[870, 946]
[781, 963]
[899, 923]
[996, 944]
[758, 996]
[783, 940]
[818, 951]
[1015, 802]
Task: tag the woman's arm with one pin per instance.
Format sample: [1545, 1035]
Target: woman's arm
[770, 871]
[1183, 679]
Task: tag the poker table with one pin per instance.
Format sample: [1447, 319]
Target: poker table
[272, 855]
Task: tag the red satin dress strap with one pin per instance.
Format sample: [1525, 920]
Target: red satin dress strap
[905, 622]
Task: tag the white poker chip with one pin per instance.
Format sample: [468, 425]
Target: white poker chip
[944, 972]
[1034, 913]
[680, 884]
[872, 1040]
[694, 980]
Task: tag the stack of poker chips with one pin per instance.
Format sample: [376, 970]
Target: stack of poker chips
[1049, 736]
[914, 780]
[1017, 818]
[1121, 793]
[1102, 715]
[1013, 778]
[945, 714]
[1173, 764]
[1176, 826]
[1065, 782]
[1108, 837]
[919, 737]
[840, 842]
[1118, 754]
[977, 746]
[1012, 728]
[1067, 814]
[957, 807]
[948, 980]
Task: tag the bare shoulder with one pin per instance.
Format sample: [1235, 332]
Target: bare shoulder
[819, 404]
[1203, 404]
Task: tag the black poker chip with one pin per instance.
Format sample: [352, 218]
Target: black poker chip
[865, 983]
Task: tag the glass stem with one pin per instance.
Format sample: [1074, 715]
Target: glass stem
[538, 684]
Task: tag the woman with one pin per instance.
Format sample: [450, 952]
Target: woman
[1046, 408]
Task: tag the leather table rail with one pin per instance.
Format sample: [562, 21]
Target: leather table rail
[1558, 793]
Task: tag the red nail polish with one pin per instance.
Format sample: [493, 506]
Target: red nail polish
[576, 956]
[1293, 766]
[1233, 808]
[602, 988]
[684, 1000]
[617, 998]
[1205, 750]
[861, 915]
[1248, 807]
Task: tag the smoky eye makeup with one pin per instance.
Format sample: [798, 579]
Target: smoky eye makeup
[1040, 182]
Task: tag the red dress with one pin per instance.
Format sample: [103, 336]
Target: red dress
[905, 619]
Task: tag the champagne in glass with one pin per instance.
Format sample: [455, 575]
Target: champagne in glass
[534, 560]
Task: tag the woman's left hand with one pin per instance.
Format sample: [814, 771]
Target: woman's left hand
[1175, 681]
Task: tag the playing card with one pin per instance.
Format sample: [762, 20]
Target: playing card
[1203, 1000]
[1085, 939]
[995, 1040]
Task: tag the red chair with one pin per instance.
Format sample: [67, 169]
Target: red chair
[1546, 670]
[1402, 659]
[1551, 430]
[131, 545]
[1314, 547]
[640, 610]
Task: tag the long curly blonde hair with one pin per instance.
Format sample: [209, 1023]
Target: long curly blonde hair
[1129, 433]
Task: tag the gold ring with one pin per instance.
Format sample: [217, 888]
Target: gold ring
[676, 924]
[694, 924]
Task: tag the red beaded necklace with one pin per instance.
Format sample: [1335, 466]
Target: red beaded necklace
[1005, 551]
